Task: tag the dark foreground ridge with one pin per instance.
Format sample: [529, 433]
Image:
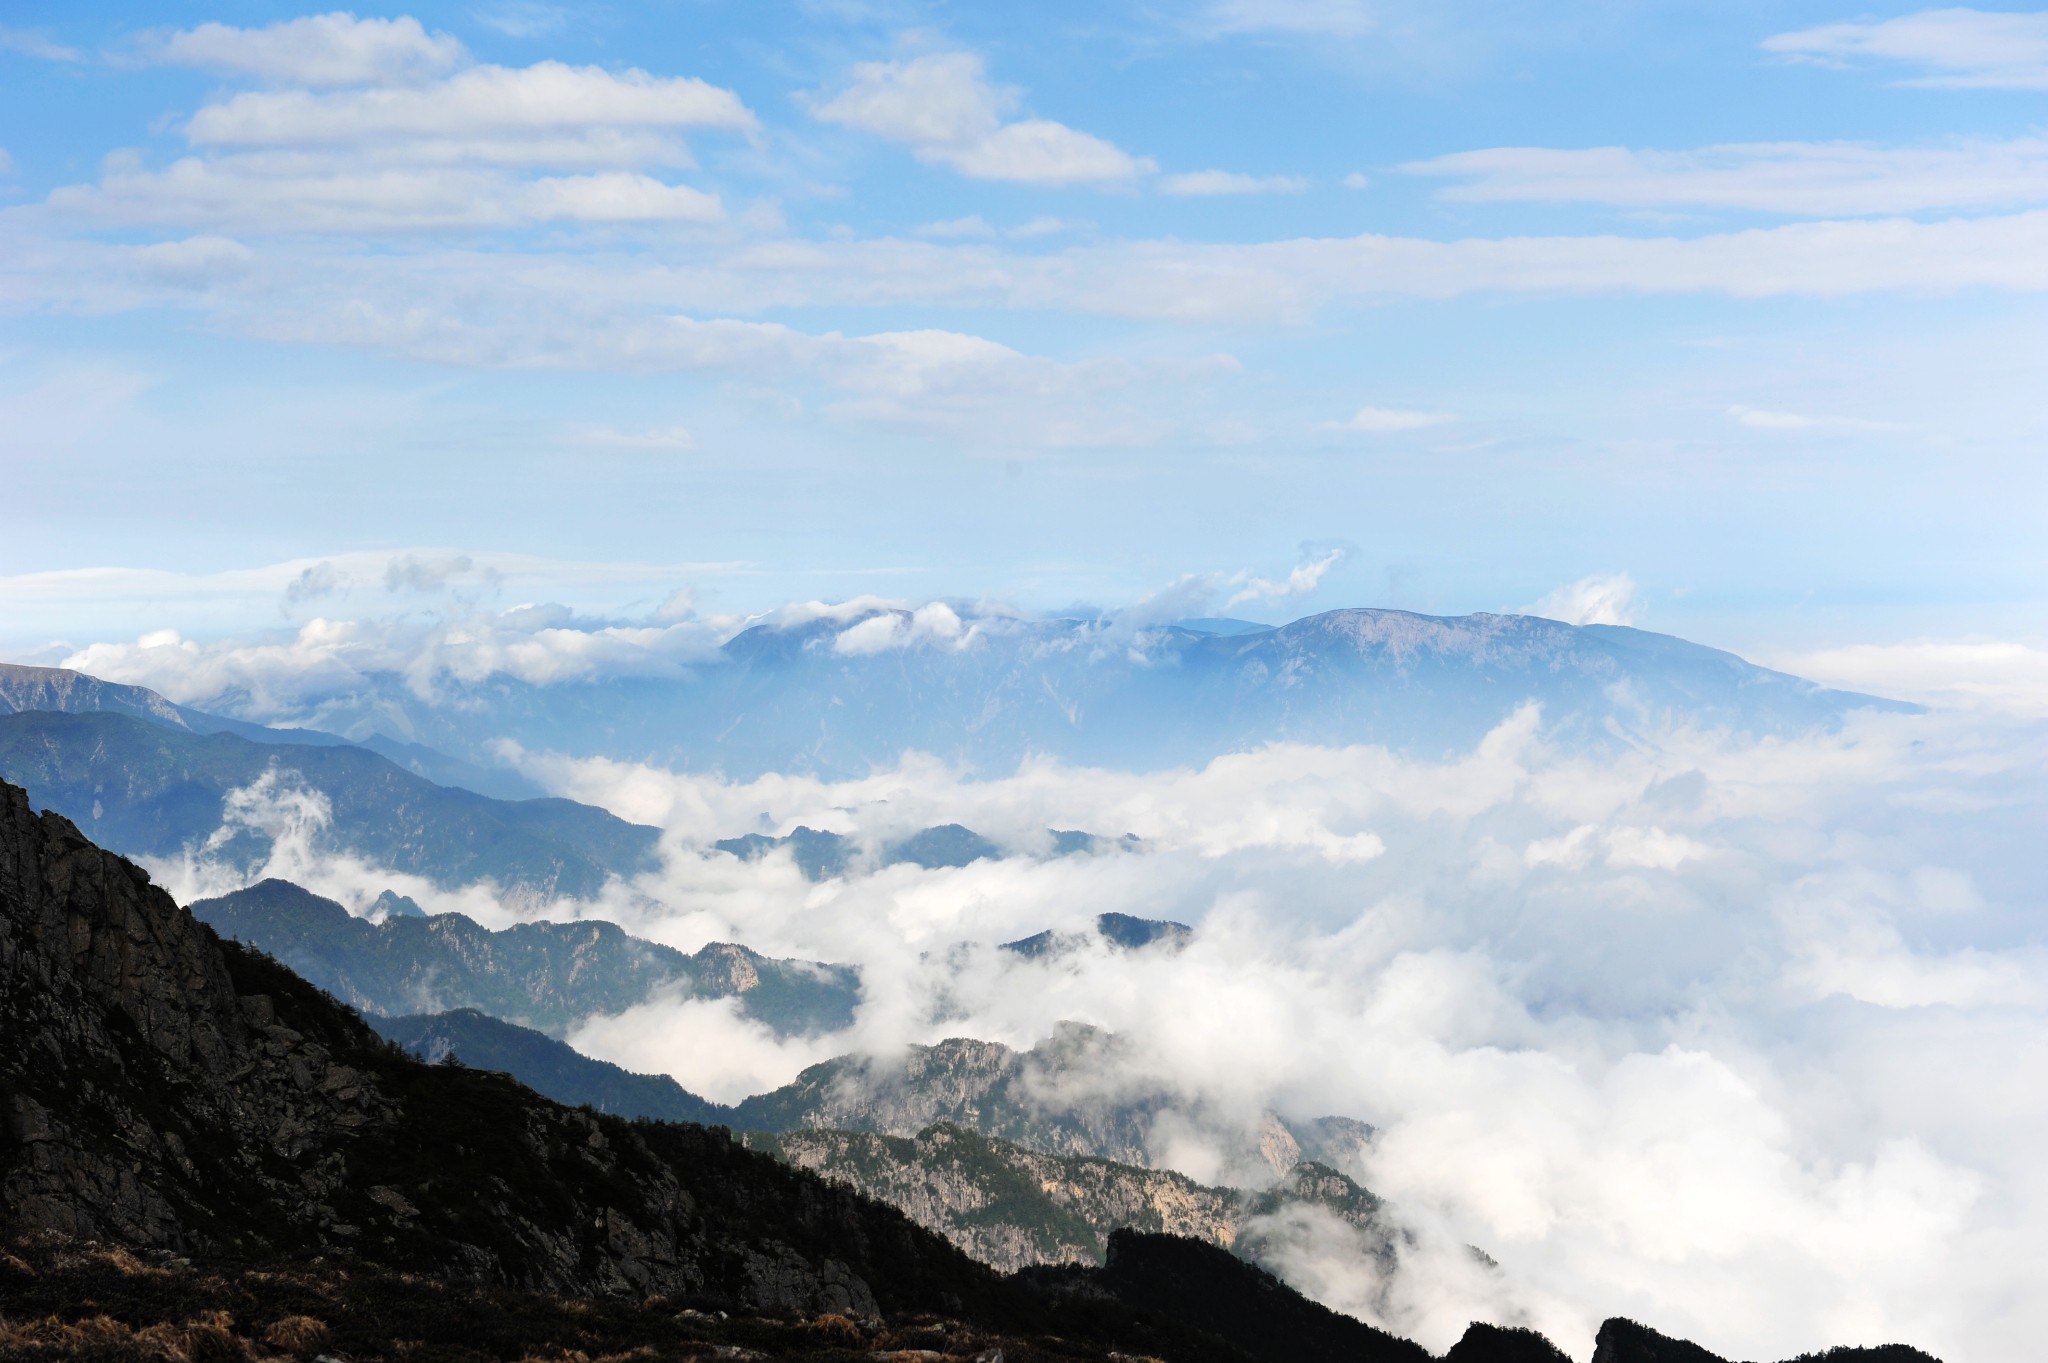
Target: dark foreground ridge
[288, 1179]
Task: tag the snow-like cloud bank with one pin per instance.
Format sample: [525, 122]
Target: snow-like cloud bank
[1748, 1040]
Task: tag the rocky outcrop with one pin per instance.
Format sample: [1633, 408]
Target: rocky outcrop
[1078, 1093]
[1013, 1208]
[161, 1088]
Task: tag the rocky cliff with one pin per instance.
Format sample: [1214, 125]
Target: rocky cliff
[1013, 1208]
[1077, 1093]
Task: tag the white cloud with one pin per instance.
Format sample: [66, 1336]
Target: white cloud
[255, 194]
[943, 107]
[646, 438]
[1744, 1037]
[35, 42]
[1385, 420]
[1602, 599]
[1806, 178]
[1357, 180]
[1301, 582]
[973, 225]
[1966, 48]
[1995, 675]
[522, 18]
[547, 98]
[320, 50]
[1763, 419]
[890, 631]
[1210, 183]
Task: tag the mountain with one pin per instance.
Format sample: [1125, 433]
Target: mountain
[782, 697]
[1116, 929]
[551, 1068]
[1051, 1099]
[60, 689]
[824, 856]
[148, 789]
[547, 976]
[166, 1091]
[1012, 1208]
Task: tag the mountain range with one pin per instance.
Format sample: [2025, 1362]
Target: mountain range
[150, 789]
[543, 975]
[841, 693]
[165, 1090]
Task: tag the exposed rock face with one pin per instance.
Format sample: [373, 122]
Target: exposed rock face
[1076, 1093]
[160, 1088]
[1013, 1208]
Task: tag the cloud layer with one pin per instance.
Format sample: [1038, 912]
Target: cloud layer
[1742, 1040]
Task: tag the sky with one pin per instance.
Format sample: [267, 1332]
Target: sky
[1738, 302]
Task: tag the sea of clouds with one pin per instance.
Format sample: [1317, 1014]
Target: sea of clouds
[1745, 1039]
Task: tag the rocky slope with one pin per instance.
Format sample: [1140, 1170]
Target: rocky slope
[547, 976]
[1012, 1208]
[549, 1067]
[166, 1089]
[1062, 1097]
[147, 789]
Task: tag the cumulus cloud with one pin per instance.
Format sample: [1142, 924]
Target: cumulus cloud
[1602, 599]
[943, 107]
[460, 151]
[318, 50]
[1818, 179]
[890, 631]
[321, 579]
[482, 102]
[1211, 183]
[1957, 48]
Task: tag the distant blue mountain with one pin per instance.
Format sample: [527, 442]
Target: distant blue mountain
[794, 698]
[28, 689]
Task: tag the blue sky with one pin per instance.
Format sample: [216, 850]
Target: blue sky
[1048, 304]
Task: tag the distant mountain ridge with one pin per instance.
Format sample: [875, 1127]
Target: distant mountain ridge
[793, 697]
[547, 976]
[59, 689]
[151, 789]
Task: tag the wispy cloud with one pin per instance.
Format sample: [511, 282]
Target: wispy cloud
[1210, 183]
[643, 438]
[1959, 48]
[36, 42]
[1388, 420]
[1806, 178]
[1765, 419]
[1601, 599]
